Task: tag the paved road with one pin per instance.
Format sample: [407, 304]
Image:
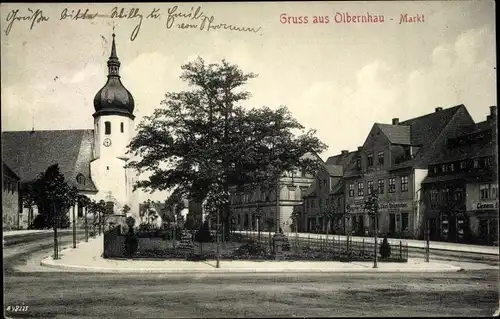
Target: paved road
[50, 293]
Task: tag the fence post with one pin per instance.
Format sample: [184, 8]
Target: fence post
[309, 240]
[400, 250]
[407, 251]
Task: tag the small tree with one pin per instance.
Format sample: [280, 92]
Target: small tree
[203, 235]
[53, 197]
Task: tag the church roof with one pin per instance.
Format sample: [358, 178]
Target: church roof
[29, 153]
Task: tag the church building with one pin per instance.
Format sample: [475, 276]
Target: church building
[93, 160]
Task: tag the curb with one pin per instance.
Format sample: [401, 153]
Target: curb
[48, 262]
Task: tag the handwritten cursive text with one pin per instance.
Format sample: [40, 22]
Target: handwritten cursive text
[34, 16]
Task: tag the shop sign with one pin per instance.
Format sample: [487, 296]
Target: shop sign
[384, 206]
[486, 205]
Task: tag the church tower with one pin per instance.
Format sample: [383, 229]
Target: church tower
[113, 129]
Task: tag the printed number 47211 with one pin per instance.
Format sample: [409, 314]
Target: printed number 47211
[17, 308]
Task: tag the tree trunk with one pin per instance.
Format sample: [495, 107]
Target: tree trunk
[56, 244]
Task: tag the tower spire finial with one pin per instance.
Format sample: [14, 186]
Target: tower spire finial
[113, 62]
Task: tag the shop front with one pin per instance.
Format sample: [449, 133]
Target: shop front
[395, 218]
[484, 221]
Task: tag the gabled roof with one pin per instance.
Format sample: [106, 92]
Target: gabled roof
[311, 191]
[469, 150]
[426, 128]
[334, 170]
[9, 171]
[29, 153]
[338, 188]
[396, 134]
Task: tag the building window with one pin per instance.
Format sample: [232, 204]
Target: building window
[351, 190]
[404, 183]
[80, 179]
[494, 190]
[444, 168]
[484, 191]
[121, 127]
[380, 157]
[369, 186]
[380, 186]
[434, 196]
[107, 128]
[476, 163]
[452, 167]
[458, 194]
[361, 191]
[370, 159]
[358, 163]
[463, 164]
[392, 185]
[404, 221]
[488, 161]
[325, 182]
[80, 211]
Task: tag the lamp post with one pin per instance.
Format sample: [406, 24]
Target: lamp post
[74, 227]
[258, 215]
[277, 236]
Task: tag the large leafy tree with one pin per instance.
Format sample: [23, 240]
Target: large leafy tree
[202, 142]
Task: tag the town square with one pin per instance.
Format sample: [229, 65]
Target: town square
[199, 160]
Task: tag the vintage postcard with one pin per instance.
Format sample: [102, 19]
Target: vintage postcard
[249, 159]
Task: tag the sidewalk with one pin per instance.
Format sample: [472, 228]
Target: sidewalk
[490, 250]
[87, 257]
[27, 232]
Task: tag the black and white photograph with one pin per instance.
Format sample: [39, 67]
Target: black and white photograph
[249, 159]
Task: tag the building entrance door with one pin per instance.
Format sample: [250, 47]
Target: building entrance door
[452, 232]
[392, 223]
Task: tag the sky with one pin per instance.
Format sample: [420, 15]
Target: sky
[337, 78]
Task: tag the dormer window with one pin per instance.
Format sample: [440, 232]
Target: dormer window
[358, 163]
[107, 128]
[80, 179]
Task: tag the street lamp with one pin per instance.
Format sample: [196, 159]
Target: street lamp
[258, 215]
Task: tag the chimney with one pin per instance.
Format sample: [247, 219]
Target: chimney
[344, 152]
[493, 111]
[395, 121]
[439, 109]
[360, 148]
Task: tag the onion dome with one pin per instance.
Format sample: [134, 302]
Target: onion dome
[114, 98]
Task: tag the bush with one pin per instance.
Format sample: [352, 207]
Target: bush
[385, 249]
[41, 222]
[130, 221]
[203, 234]
[252, 248]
